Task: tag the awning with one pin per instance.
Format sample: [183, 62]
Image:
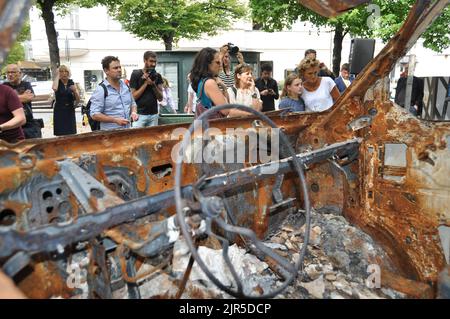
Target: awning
[28, 65]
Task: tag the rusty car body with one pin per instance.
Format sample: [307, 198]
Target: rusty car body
[101, 193]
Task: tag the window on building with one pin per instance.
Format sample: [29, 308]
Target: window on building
[253, 65]
[91, 79]
[74, 19]
[169, 70]
[287, 72]
[267, 62]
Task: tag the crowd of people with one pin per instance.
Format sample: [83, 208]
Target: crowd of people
[119, 103]
[311, 87]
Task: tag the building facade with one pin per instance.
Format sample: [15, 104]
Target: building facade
[85, 36]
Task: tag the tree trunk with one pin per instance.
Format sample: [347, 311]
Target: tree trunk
[168, 42]
[337, 48]
[52, 38]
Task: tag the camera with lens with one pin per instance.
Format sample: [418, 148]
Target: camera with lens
[232, 49]
[152, 74]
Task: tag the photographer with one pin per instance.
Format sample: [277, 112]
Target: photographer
[268, 88]
[147, 89]
[225, 53]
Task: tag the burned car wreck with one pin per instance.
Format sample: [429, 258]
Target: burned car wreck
[93, 214]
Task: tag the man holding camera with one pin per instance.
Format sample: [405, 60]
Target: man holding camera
[268, 88]
[146, 87]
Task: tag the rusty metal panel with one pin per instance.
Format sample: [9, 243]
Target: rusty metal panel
[366, 158]
[331, 8]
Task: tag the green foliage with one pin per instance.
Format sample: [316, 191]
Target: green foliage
[437, 37]
[17, 52]
[276, 15]
[393, 14]
[172, 20]
[24, 34]
[63, 7]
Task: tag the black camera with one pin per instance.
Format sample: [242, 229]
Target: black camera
[232, 49]
[152, 74]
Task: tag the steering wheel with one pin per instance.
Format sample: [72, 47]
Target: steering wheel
[214, 210]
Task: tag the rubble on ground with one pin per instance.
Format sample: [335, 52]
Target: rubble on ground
[335, 266]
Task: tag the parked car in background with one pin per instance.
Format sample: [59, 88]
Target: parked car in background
[44, 94]
[83, 99]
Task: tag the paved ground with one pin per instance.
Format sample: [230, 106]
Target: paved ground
[47, 116]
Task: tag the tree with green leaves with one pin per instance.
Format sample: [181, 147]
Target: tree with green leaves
[436, 37]
[276, 15]
[172, 20]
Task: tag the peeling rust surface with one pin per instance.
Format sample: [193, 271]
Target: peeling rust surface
[331, 8]
[396, 189]
[403, 215]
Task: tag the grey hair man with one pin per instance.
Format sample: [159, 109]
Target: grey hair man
[24, 90]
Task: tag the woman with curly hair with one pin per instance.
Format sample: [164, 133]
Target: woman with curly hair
[319, 93]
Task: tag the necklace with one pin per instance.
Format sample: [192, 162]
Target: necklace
[65, 84]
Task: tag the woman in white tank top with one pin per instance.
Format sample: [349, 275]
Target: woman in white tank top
[319, 93]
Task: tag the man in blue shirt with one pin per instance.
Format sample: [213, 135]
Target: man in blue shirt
[118, 108]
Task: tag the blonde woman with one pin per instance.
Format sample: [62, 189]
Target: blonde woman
[245, 92]
[66, 98]
[319, 93]
[291, 95]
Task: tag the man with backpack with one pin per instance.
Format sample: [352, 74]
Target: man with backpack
[114, 107]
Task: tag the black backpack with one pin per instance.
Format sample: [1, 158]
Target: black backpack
[86, 109]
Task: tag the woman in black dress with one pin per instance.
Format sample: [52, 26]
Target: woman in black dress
[66, 97]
